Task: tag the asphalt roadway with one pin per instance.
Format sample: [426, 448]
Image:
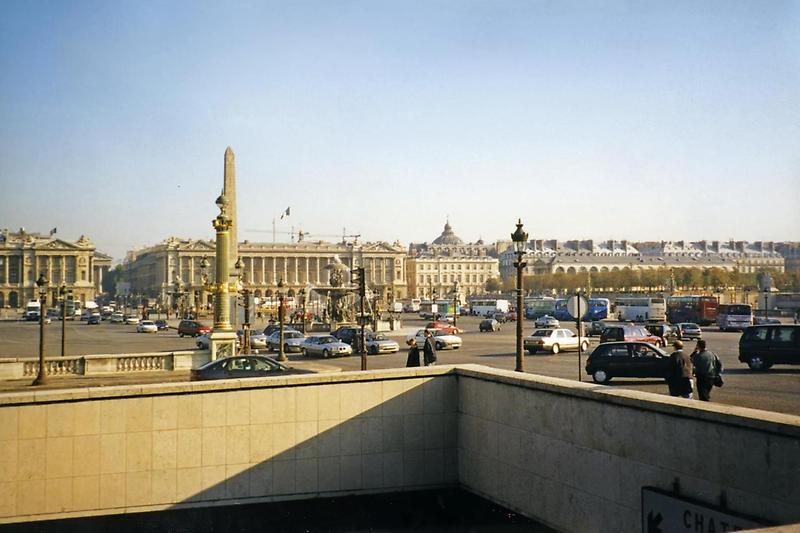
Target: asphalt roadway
[775, 390]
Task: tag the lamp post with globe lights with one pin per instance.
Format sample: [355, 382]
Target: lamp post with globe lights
[520, 238]
[42, 282]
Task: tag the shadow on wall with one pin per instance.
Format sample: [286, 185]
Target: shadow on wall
[312, 441]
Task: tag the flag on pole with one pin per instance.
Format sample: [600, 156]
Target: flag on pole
[285, 213]
[53, 231]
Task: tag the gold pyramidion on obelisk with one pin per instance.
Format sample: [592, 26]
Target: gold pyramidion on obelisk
[229, 190]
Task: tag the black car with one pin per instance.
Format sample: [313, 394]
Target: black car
[490, 324]
[349, 334]
[93, 320]
[250, 366]
[596, 327]
[763, 346]
[161, 325]
[627, 359]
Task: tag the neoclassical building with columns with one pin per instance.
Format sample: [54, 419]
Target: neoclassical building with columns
[152, 271]
[77, 265]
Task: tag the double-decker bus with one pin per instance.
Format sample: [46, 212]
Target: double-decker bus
[734, 316]
[599, 309]
[701, 310]
[640, 309]
[538, 306]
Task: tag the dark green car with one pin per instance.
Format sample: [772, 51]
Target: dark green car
[763, 346]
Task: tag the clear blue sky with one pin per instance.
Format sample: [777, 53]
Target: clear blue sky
[637, 120]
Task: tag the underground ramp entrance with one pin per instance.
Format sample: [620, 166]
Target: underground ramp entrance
[447, 511]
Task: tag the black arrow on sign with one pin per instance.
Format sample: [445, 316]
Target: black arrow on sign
[653, 522]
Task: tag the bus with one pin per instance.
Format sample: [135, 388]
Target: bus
[444, 308]
[701, 310]
[538, 306]
[486, 306]
[599, 309]
[734, 317]
[640, 309]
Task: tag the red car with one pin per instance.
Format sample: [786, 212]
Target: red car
[447, 327]
[628, 333]
[192, 328]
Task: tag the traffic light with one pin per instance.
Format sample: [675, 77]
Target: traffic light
[362, 283]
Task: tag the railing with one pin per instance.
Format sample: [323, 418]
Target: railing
[142, 363]
[60, 367]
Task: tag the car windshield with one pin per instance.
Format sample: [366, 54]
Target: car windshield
[542, 333]
[328, 340]
[292, 335]
[439, 334]
[692, 326]
[147, 323]
[379, 338]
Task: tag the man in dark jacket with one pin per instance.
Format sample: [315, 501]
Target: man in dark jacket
[706, 368]
[679, 380]
[429, 350]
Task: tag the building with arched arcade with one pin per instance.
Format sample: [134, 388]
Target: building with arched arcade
[76, 265]
[570, 257]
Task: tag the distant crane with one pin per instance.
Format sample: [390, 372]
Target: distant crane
[301, 235]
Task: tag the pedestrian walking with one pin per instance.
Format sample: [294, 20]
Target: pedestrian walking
[429, 349]
[413, 354]
[679, 379]
[707, 370]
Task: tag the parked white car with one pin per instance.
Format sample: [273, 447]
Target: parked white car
[131, 319]
[117, 318]
[258, 341]
[441, 340]
[146, 326]
[554, 341]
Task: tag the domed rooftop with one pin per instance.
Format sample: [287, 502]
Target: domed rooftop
[447, 236]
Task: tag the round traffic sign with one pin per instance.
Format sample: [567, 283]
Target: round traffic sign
[573, 306]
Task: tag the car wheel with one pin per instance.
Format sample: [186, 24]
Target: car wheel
[555, 349]
[286, 348]
[304, 352]
[180, 335]
[373, 350]
[600, 376]
[532, 351]
[439, 346]
[325, 354]
[755, 362]
[584, 346]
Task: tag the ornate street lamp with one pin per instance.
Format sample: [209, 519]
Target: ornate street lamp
[246, 296]
[42, 282]
[302, 295]
[62, 292]
[520, 238]
[455, 303]
[281, 311]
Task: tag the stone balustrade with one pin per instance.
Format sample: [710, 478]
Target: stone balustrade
[85, 365]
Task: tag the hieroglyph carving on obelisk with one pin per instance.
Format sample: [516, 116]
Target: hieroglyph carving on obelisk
[229, 191]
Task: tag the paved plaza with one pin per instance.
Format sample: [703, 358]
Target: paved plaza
[776, 390]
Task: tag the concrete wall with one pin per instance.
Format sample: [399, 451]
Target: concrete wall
[575, 456]
[126, 449]
[572, 455]
[102, 364]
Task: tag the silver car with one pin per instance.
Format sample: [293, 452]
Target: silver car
[292, 341]
[326, 346]
[380, 343]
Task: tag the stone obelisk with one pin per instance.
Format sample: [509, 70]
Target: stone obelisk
[229, 191]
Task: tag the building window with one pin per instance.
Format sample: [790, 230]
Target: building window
[13, 271]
